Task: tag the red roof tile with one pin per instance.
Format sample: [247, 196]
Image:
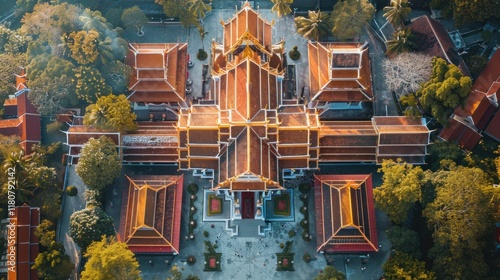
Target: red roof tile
[151, 214]
[345, 215]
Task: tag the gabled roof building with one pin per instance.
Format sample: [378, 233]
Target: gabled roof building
[480, 113]
[21, 117]
[151, 214]
[345, 215]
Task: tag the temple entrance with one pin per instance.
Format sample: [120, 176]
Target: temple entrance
[247, 205]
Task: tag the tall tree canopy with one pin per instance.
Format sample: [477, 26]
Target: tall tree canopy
[400, 189]
[466, 11]
[405, 73]
[53, 262]
[177, 9]
[83, 46]
[405, 240]
[89, 83]
[460, 217]
[109, 259]
[99, 163]
[111, 112]
[133, 18]
[117, 75]
[281, 7]
[403, 266]
[403, 41]
[446, 90]
[314, 26]
[397, 12]
[349, 16]
[89, 225]
[330, 273]
[9, 65]
[199, 8]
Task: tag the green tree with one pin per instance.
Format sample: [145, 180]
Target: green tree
[176, 273]
[89, 84]
[460, 217]
[48, 23]
[83, 46]
[9, 65]
[51, 205]
[349, 17]
[403, 266]
[465, 11]
[114, 16]
[89, 225]
[54, 264]
[397, 12]
[111, 113]
[405, 240]
[117, 75]
[134, 18]
[177, 9]
[17, 166]
[447, 89]
[198, 8]
[281, 7]
[109, 259]
[93, 20]
[314, 26]
[330, 273]
[403, 41]
[443, 150]
[400, 189]
[51, 95]
[99, 163]
[45, 233]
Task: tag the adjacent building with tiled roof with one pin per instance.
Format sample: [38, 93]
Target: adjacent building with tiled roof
[345, 215]
[159, 72]
[434, 40]
[339, 72]
[22, 118]
[151, 214]
[480, 114]
[25, 219]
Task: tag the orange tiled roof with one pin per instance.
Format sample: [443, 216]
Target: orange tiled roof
[159, 72]
[339, 72]
[151, 214]
[246, 25]
[345, 215]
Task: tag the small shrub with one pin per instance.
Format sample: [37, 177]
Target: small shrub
[201, 55]
[191, 259]
[71, 191]
[215, 246]
[304, 223]
[294, 54]
[282, 245]
[304, 188]
[205, 233]
[306, 236]
[192, 188]
[303, 209]
[54, 127]
[306, 258]
[291, 233]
